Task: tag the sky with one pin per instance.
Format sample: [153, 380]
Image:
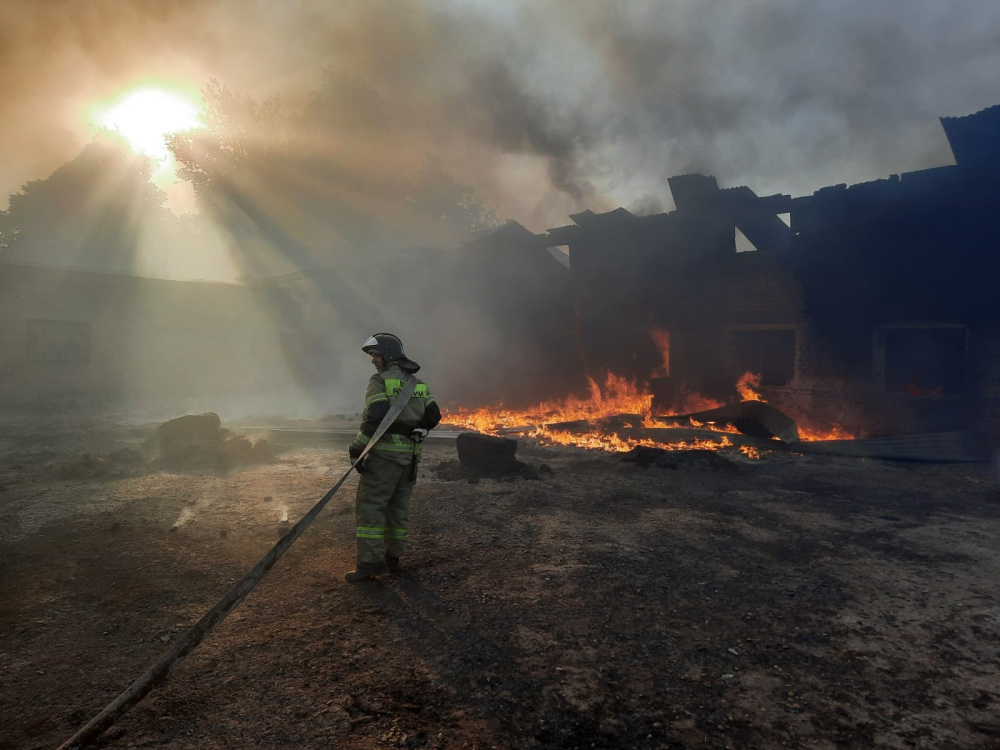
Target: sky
[545, 107]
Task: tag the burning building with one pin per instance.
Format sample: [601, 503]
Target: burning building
[872, 306]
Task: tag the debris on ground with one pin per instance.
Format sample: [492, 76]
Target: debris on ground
[756, 418]
[198, 441]
[485, 457]
[485, 452]
[828, 603]
[697, 458]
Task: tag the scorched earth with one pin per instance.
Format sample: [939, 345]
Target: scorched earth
[700, 601]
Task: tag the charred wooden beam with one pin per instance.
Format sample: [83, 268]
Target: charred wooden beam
[755, 418]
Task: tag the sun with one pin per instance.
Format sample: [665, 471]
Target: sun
[145, 116]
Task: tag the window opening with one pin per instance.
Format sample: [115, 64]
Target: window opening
[743, 245]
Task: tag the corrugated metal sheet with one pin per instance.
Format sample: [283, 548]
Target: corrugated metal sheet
[938, 446]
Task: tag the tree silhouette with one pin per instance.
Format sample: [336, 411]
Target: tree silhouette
[291, 194]
[343, 104]
[239, 133]
[87, 213]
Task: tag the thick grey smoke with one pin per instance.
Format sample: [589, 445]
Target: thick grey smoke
[789, 96]
[545, 108]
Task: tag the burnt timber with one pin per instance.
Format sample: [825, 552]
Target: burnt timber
[872, 306]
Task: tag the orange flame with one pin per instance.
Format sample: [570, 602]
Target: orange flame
[834, 433]
[546, 421]
[552, 422]
[618, 396]
[685, 402]
[614, 443]
[661, 338]
[746, 384]
[713, 426]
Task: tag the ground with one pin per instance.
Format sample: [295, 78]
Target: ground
[800, 602]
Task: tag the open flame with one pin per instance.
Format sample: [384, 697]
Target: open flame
[685, 402]
[726, 427]
[618, 396]
[613, 416]
[836, 432]
[745, 387]
[552, 422]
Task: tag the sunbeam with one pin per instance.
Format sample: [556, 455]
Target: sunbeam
[146, 115]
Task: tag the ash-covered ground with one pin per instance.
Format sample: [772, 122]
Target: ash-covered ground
[795, 601]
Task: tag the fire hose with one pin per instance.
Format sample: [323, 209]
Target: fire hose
[230, 600]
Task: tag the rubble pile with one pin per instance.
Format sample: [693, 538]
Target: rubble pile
[198, 441]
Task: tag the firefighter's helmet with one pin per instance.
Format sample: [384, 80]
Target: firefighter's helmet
[386, 344]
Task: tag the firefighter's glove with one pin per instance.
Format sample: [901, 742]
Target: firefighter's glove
[418, 434]
[354, 452]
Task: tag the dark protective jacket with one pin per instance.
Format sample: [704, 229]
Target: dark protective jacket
[420, 411]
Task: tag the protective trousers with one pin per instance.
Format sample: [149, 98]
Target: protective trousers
[383, 512]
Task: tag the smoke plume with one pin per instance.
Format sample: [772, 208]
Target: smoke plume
[544, 108]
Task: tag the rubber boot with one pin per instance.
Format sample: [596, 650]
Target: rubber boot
[364, 573]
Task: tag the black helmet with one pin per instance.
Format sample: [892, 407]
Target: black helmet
[386, 344]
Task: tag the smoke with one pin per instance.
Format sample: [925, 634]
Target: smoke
[517, 122]
[791, 96]
[544, 108]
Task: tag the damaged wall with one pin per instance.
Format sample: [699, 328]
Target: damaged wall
[879, 299]
[901, 277]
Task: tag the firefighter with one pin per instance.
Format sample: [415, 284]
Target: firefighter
[389, 471]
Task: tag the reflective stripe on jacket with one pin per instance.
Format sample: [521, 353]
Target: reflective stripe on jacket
[383, 388]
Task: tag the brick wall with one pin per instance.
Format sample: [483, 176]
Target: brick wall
[984, 373]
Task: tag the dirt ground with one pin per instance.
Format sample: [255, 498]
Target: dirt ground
[790, 602]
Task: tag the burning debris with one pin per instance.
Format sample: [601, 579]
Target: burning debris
[620, 417]
[573, 421]
[756, 418]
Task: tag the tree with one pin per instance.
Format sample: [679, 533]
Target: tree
[239, 132]
[345, 104]
[292, 195]
[87, 213]
[444, 203]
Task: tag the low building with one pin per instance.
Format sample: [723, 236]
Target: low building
[73, 339]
